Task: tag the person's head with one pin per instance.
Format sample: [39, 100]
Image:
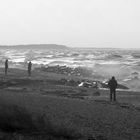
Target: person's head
[113, 78]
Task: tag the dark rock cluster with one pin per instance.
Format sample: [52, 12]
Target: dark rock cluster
[89, 84]
[79, 71]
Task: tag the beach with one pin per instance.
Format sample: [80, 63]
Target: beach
[50, 108]
[69, 70]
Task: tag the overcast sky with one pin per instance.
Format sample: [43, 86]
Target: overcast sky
[75, 23]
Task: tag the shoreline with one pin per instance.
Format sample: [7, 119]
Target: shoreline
[82, 73]
[39, 73]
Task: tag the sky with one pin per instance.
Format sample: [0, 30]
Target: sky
[74, 23]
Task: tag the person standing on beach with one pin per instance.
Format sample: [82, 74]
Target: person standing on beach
[112, 84]
[6, 66]
[29, 68]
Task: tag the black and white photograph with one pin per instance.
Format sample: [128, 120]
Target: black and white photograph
[69, 69]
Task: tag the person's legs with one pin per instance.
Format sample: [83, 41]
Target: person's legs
[110, 95]
[114, 95]
[5, 71]
[29, 74]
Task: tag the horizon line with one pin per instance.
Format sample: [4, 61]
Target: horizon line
[7, 45]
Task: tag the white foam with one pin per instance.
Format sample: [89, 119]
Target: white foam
[99, 60]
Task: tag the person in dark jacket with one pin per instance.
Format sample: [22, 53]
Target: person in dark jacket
[29, 68]
[6, 66]
[112, 84]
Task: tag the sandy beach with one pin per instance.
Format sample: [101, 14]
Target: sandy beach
[49, 108]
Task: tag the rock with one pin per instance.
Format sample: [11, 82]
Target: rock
[81, 84]
[79, 71]
[135, 73]
[87, 85]
[72, 83]
[97, 93]
[104, 85]
[63, 81]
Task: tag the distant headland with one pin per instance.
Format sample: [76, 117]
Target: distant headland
[35, 46]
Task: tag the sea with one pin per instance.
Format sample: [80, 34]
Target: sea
[124, 64]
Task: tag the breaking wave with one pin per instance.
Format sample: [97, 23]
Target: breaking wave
[124, 64]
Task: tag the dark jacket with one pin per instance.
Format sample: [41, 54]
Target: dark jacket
[112, 84]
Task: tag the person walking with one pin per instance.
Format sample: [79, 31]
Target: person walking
[112, 84]
[6, 66]
[29, 68]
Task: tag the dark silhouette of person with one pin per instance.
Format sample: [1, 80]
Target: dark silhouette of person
[29, 68]
[112, 84]
[6, 66]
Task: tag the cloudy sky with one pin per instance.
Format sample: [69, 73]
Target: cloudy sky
[75, 23]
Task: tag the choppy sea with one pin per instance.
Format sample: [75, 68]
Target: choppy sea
[104, 63]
